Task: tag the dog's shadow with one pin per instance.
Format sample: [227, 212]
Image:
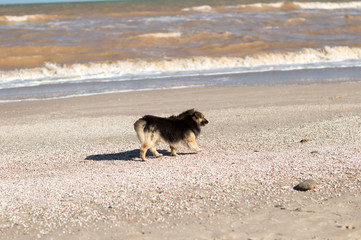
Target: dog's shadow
[133, 155]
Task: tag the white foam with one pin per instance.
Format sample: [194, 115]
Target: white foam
[137, 69]
[162, 35]
[307, 5]
[262, 5]
[25, 18]
[204, 8]
[329, 5]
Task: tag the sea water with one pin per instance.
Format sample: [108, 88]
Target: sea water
[70, 49]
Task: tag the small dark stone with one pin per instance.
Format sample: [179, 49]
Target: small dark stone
[305, 185]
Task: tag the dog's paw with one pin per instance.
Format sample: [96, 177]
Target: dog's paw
[174, 154]
[159, 155]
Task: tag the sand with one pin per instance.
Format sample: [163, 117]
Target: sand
[70, 168]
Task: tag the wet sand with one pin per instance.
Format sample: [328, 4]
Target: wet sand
[70, 168]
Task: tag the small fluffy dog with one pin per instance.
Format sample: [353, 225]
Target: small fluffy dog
[174, 130]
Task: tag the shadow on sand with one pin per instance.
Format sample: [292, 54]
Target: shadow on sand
[132, 155]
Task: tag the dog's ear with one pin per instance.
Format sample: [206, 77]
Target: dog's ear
[191, 111]
[198, 115]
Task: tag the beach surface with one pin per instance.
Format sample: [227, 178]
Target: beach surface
[70, 168]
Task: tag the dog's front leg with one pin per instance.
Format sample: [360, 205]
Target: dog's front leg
[155, 152]
[192, 143]
[194, 146]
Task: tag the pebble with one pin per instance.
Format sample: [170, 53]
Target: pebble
[305, 185]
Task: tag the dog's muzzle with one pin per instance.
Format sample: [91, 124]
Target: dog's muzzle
[204, 122]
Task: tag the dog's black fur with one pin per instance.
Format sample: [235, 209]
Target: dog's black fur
[174, 130]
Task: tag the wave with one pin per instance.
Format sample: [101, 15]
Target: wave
[302, 5]
[161, 35]
[27, 18]
[328, 5]
[203, 8]
[52, 73]
[276, 6]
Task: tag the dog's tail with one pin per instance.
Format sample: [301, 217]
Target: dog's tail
[139, 129]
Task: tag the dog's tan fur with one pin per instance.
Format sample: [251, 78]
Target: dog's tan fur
[175, 131]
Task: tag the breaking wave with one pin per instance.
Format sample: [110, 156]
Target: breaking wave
[27, 18]
[304, 5]
[203, 8]
[328, 5]
[52, 73]
[161, 35]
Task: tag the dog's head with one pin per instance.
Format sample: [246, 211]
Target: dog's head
[199, 118]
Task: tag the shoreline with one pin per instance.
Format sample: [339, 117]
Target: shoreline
[220, 79]
[71, 168]
[252, 96]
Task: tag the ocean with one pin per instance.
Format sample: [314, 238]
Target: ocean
[72, 49]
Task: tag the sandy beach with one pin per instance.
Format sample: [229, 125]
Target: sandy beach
[70, 168]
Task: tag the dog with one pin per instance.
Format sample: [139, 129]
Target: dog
[176, 131]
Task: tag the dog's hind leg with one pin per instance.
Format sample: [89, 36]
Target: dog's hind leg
[143, 150]
[173, 151]
[139, 129]
[155, 152]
